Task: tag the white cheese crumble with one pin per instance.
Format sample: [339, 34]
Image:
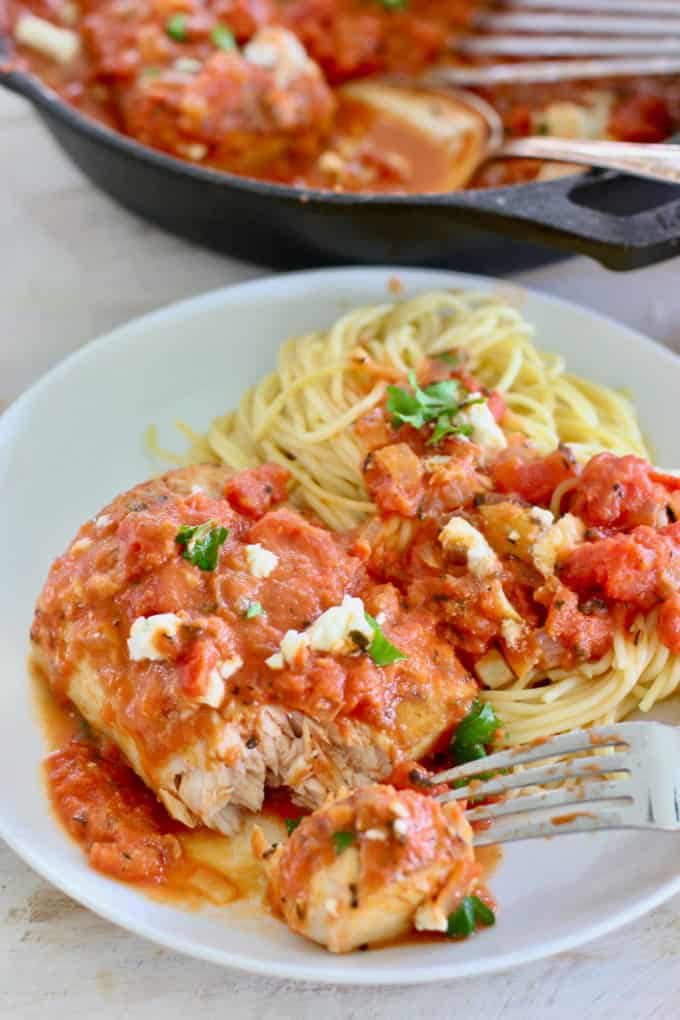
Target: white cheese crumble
[214, 694]
[486, 433]
[145, 633]
[280, 51]
[375, 834]
[330, 632]
[103, 521]
[544, 518]
[400, 827]
[61, 44]
[460, 536]
[558, 540]
[261, 562]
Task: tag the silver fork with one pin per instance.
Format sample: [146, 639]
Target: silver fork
[634, 785]
[616, 37]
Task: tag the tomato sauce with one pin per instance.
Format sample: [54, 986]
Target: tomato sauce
[178, 75]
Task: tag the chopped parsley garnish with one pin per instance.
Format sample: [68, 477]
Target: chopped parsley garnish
[471, 912]
[223, 38]
[202, 543]
[176, 27]
[292, 824]
[394, 5]
[382, 651]
[343, 840]
[150, 72]
[438, 404]
[254, 609]
[477, 729]
[449, 358]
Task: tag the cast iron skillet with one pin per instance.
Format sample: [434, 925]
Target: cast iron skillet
[622, 222]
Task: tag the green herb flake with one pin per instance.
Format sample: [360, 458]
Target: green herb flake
[292, 824]
[150, 72]
[176, 27]
[343, 840]
[382, 651]
[450, 358]
[254, 609]
[202, 543]
[477, 729]
[394, 5]
[223, 38]
[440, 403]
[471, 913]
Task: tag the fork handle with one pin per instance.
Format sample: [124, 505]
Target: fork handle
[656, 162]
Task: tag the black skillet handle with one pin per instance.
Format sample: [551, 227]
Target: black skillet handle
[621, 221]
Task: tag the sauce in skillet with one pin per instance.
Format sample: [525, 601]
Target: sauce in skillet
[227, 84]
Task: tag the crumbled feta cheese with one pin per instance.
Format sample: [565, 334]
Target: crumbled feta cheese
[460, 535]
[486, 433]
[145, 633]
[331, 632]
[544, 518]
[558, 540]
[228, 667]
[275, 661]
[261, 562]
[279, 51]
[400, 827]
[103, 521]
[195, 151]
[61, 44]
[375, 834]
[512, 632]
[213, 695]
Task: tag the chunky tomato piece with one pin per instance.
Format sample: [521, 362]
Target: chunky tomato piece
[108, 809]
[669, 623]
[641, 118]
[585, 630]
[627, 568]
[619, 492]
[534, 479]
[256, 491]
[394, 476]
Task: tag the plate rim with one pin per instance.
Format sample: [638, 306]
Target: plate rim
[316, 971]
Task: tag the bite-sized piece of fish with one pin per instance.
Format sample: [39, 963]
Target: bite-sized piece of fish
[370, 866]
[164, 624]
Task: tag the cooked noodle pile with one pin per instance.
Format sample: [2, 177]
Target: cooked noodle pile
[302, 415]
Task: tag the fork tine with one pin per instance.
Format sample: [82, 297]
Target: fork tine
[566, 743]
[553, 70]
[578, 22]
[605, 6]
[565, 46]
[575, 769]
[509, 830]
[584, 795]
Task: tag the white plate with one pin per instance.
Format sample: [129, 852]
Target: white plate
[75, 439]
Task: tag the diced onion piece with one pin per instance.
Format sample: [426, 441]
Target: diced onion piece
[61, 44]
[492, 670]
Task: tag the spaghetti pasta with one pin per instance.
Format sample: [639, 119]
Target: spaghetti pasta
[303, 415]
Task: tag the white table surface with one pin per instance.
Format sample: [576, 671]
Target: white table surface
[72, 266]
